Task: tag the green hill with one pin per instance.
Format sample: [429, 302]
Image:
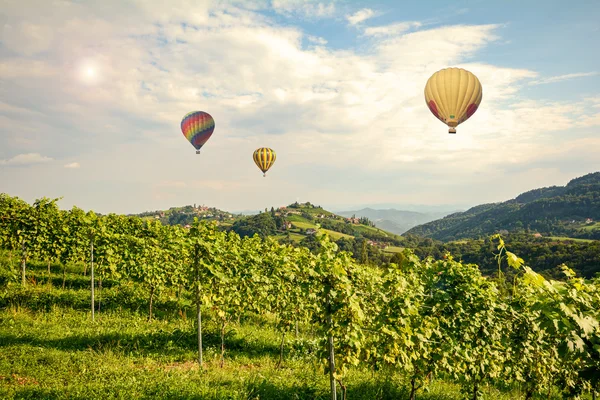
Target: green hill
[293, 223]
[296, 222]
[185, 215]
[562, 211]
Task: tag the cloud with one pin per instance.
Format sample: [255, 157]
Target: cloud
[72, 165]
[306, 8]
[391, 30]
[26, 159]
[317, 40]
[560, 78]
[360, 16]
[345, 123]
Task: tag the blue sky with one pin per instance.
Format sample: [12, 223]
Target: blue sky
[91, 95]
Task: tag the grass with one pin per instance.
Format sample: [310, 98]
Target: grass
[393, 249]
[336, 235]
[563, 238]
[63, 354]
[296, 237]
[463, 241]
[590, 227]
[303, 224]
[58, 352]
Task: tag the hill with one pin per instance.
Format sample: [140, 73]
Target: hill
[292, 224]
[572, 211]
[298, 221]
[185, 215]
[392, 220]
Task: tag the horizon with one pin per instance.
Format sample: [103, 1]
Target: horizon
[93, 95]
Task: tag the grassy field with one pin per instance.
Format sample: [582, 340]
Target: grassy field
[51, 349]
[589, 227]
[62, 354]
[336, 235]
[562, 238]
[304, 224]
[309, 225]
[393, 249]
[296, 237]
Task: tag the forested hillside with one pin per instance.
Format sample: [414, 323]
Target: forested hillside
[542, 254]
[572, 210]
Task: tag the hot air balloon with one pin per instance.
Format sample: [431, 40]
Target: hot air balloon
[197, 127]
[453, 95]
[264, 158]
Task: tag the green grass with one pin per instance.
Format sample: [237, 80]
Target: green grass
[393, 249]
[304, 224]
[58, 352]
[296, 237]
[295, 218]
[463, 241]
[336, 235]
[333, 234]
[590, 227]
[562, 238]
[62, 354]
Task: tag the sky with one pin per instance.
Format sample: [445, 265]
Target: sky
[92, 95]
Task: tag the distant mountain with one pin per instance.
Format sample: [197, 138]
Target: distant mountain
[572, 210]
[420, 208]
[392, 220]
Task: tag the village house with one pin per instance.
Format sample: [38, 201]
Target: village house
[589, 221]
[310, 231]
[537, 235]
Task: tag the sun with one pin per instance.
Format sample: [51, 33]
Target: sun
[89, 73]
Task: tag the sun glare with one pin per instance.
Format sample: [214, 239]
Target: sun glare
[89, 73]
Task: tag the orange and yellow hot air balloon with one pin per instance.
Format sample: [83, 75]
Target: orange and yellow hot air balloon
[264, 158]
[453, 95]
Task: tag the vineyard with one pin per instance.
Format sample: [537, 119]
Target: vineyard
[134, 308]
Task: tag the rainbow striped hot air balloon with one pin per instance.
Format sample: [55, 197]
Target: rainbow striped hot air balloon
[197, 127]
[264, 158]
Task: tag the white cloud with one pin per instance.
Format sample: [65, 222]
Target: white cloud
[307, 8]
[26, 159]
[72, 165]
[391, 30]
[360, 16]
[560, 78]
[27, 38]
[317, 40]
[344, 123]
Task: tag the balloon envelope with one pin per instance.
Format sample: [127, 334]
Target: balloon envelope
[453, 95]
[197, 127]
[264, 158]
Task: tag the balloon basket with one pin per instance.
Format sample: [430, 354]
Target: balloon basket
[197, 151]
[265, 175]
[452, 130]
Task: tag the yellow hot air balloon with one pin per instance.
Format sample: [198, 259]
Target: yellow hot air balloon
[264, 158]
[453, 95]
